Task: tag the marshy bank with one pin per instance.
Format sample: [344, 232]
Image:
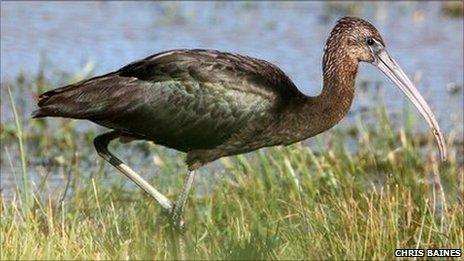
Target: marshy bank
[358, 191]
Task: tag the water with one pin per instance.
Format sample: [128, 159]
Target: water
[291, 35]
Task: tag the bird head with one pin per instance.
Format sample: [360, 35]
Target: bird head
[359, 41]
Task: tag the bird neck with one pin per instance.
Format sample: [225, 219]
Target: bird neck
[338, 87]
[333, 103]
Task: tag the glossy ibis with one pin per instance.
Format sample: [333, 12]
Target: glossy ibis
[213, 104]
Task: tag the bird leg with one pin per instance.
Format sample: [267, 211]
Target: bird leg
[176, 210]
[101, 143]
[177, 219]
[179, 206]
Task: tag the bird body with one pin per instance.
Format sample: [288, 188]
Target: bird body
[207, 103]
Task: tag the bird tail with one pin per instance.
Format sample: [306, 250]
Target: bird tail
[101, 97]
[56, 103]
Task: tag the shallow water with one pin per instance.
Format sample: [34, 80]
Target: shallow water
[288, 34]
[426, 43]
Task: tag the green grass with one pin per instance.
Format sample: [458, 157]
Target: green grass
[323, 201]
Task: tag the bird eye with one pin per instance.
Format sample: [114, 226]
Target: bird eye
[370, 41]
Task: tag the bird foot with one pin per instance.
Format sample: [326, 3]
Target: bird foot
[177, 221]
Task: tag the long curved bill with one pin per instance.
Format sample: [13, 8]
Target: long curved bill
[393, 71]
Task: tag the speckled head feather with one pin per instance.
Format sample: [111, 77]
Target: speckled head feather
[356, 28]
[349, 38]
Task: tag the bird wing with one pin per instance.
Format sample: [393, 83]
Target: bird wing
[249, 75]
[183, 99]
